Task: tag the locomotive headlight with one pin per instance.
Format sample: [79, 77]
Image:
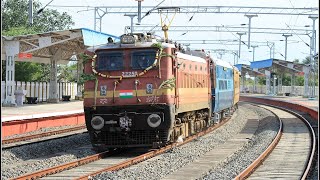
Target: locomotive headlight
[127, 39]
[97, 122]
[154, 120]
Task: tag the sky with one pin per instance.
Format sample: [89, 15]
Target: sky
[296, 48]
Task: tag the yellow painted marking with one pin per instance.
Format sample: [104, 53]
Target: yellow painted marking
[141, 92]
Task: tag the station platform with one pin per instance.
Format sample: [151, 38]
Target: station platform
[41, 110]
[312, 104]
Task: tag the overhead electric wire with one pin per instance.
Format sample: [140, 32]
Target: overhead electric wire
[40, 10]
[149, 12]
[297, 35]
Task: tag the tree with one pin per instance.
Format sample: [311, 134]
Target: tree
[15, 22]
[296, 60]
[306, 60]
[67, 73]
[15, 14]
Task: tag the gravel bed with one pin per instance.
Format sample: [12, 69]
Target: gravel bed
[162, 165]
[266, 132]
[41, 130]
[33, 157]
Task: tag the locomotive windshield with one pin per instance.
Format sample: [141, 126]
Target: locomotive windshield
[142, 59]
[110, 61]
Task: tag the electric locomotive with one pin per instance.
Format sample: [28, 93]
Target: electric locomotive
[148, 92]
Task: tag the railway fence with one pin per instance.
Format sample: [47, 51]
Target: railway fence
[261, 89]
[41, 90]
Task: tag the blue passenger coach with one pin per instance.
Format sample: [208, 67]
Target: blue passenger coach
[222, 90]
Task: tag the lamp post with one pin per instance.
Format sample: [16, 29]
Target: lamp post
[249, 30]
[286, 39]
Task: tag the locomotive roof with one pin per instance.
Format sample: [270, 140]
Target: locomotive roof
[191, 58]
[118, 45]
[222, 63]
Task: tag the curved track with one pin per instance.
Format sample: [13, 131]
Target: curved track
[292, 157]
[95, 164]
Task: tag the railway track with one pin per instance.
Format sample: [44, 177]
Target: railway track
[27, 139]
[290, 155]
[86, 168]
[103, 162]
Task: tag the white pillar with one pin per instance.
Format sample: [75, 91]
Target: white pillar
[274, 84]
[53, 90]
[268, 76]
[280, 83]
[292, 83]
[79, 72]
[11, 49]
[306, 71]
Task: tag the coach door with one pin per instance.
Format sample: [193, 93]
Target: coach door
[213, 84]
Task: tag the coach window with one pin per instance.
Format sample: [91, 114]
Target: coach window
[196, 68]
[190, 67]
[200, 68]
[184, 66]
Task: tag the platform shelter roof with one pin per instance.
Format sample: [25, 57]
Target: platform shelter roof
[278, 66]
[245, 69]
[41, 47]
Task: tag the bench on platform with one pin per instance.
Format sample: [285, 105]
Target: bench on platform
[66, 98]
[32, 100]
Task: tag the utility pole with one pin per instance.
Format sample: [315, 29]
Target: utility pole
[312, 60]
[253, 49]
[131, 16]
[286, 39]
[255, 78]
[30, 13]
[240, 34]
[250, 16]
[235, 54]
[271, 47]
[139, 11]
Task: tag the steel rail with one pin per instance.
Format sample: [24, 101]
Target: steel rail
[66, 166]
[124, 164]
[40, 135]
[244, 174]
[151, 154]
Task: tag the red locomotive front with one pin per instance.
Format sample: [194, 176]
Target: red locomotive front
[139, 94]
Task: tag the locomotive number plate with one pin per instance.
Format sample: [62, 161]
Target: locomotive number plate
[130, 74]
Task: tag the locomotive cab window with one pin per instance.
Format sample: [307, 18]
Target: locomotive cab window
[142, 59]
[109, 61]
